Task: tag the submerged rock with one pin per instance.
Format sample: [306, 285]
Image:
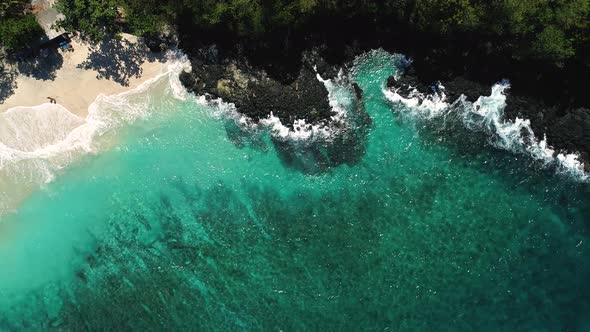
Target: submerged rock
[302, 105]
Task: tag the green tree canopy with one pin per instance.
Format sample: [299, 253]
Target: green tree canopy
[547, 29]
[94, 19]
[17, 26]
[19, 31]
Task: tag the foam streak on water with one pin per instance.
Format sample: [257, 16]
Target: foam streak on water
[340, 97]
[36, 143]
[191, 221]
[487, 114]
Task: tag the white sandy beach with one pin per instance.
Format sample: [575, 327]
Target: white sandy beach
[36, 142]
[76, 87]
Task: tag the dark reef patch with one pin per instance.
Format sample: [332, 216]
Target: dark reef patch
[258, 95]
[466, 62]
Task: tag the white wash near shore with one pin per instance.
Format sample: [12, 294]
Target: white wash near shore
[37, 142]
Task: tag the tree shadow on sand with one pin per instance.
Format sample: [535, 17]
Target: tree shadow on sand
[117, 60]
[38, 67]
[7, 83]
[42, 67]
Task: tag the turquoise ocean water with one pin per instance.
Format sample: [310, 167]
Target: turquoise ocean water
[179, 225]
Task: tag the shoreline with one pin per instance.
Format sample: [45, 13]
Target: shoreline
[119, 65]
[560, 115]
[85, 73]
[31, 128]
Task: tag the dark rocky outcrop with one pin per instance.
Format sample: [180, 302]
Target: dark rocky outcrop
[550, 96]
[572, 132]
[454, 88]
[407, 83]
[466, 62]
[256, 94]
[461, 86]
[567, 128]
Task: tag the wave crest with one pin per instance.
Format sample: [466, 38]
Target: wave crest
[487, 114]
[37, 142]
[340, 98]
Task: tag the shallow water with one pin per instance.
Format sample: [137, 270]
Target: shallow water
[180, 225]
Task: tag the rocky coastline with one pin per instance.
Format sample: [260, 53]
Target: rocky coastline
[300, 102]
[567, 129]
[260, 79]
[258, 95]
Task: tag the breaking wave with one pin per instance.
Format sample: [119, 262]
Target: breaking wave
[37, 142]
[340, 98]
[487, 114]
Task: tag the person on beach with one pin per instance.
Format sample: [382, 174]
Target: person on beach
[52, 100]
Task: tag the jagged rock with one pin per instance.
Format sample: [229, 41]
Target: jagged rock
[461, 86]
[529, 108]
[454, 88]
[406, 84]
[567, 129]
[572, 132]
[322, 67]
[257, 95]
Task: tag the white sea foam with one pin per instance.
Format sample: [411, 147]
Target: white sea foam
[36, 142]
[424, 105]
[339, 96]
[487, 114]
[340, 99]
